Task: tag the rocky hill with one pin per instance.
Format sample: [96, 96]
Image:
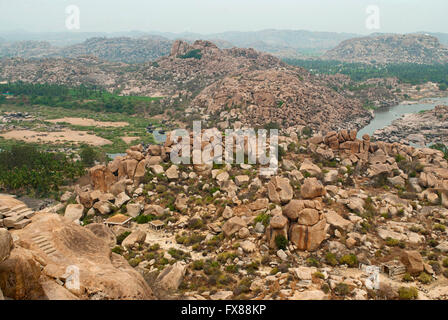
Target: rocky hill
[409, 48]
[27, 49]
[258, 87]
[120, 49]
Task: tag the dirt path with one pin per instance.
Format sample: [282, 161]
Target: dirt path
[89, 122]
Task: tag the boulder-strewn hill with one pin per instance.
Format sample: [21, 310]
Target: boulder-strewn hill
[122, 49]
[257, 88]
[409, 48]
[27, 49]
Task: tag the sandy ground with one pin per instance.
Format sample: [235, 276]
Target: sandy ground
[89, 122]
[56, 137]
[128, 140]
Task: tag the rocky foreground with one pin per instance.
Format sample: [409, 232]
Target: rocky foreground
[424, 128]
[335, 204]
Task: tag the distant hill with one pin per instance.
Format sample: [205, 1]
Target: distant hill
[121, 49]
[278, 42]
[390, 48]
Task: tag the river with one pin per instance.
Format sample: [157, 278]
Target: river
[385, 116]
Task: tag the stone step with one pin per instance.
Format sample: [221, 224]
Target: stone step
[11, 221]
[3, 209]
[19, 207]
[20, 211]
[50, 252]
[38, 237]
[29, 213]
[22, 224]
[40, 241]
[46, 246]
[9, 213]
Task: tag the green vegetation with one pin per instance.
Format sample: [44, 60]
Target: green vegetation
[196, 54]
[441, 147]
[407, 293]
[82, 97]
[349, 259]
[405, 72]
[281, 242]
[24, 169]
[136, 128]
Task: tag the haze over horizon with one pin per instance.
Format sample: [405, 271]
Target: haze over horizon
[216, 16]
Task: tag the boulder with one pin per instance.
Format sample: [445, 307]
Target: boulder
[312, 188]
[171, 277]
[104, 275]
[310, 167]
[279, 190]
[136, 237]
[413, 261]
[20, 276]
[121, 199]
[74, 212]
[233, 225]
[103, 232]
[181, 202]
[278, 221]
[6, 244]
[103, 207]
[172, 173]
[307, 237]
[308, 217]
[134, 209]
[240, 180]
[338, 222]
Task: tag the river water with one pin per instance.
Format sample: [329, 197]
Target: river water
[385, 116]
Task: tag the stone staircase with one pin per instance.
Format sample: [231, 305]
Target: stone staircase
[44, 244]
[15, 217]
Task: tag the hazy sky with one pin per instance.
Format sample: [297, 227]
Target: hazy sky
[210, 16]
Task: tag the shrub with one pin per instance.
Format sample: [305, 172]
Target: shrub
[122, 236]
[342, 289]
[281, 241]
[407, 293]
[195, 53]
[331, 259]
[197, 264]
[313, 262]
[407, 277]
[424, 278]
[349, 259]
[263, 218]
[445, 262]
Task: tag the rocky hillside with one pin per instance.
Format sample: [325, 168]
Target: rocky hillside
[122, 49]
[409, 48]
[336, 204]
[118, 49]
[258, 87]
[72, 72]
[26, 49]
